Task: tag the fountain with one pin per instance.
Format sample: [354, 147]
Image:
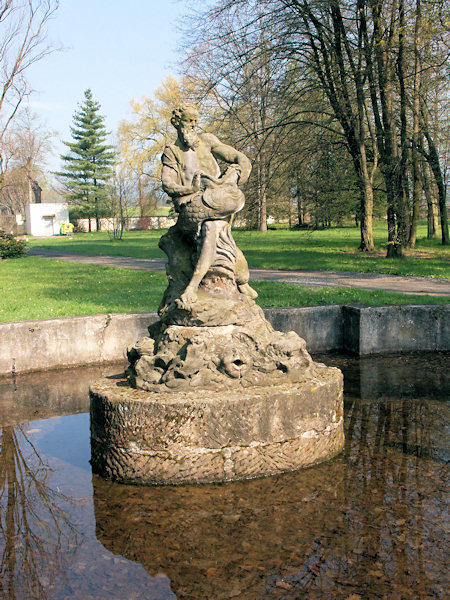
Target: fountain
[213, 393]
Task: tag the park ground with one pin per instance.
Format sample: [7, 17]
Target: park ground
[34, 287]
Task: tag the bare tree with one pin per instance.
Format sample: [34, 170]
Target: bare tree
[237, 71]
[22, 43]
[25, 148]
[301, 46]
[433, 117]
[120, 199]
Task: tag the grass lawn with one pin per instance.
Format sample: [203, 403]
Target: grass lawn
[335, 250]
[325, 250]
[38, 288]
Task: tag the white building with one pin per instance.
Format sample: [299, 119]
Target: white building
[45, 219]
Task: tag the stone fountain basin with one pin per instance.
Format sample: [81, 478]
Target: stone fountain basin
[201, 436]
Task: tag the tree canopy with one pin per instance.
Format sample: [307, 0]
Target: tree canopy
[87, 168]
[369, 72]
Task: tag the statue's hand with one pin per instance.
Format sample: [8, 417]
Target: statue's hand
[232, 174]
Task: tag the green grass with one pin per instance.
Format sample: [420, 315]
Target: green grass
[138, 244]
[335, 249]
[38, 288]
[286, 294]
[323, 250]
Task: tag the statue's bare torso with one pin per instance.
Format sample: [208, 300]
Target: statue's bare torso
[205, 200]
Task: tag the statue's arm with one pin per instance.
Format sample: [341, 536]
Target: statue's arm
[170, 185]
[231, 156]
[170, 179]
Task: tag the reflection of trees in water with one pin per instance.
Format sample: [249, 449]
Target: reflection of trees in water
[367, 523]
[37, 538]
[388, 540]
[393, 504]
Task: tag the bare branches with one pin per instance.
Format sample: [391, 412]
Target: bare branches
[22, 43]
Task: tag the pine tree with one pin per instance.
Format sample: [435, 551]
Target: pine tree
[88, 166]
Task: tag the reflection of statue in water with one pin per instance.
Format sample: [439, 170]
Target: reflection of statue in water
[206, 201]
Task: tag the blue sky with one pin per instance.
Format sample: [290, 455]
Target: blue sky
[121, 50]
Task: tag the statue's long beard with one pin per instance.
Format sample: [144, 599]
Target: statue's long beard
[190, 138]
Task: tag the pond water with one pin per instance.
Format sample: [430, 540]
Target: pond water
[371, 523]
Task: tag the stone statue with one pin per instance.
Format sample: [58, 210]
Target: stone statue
[206, 201]
[214, 393]
[211, 333]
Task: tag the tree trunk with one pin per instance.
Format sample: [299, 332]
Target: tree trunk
[433, 160]
[261, 195]
[299, 210]
[262, 210]
[394, 245]
[366, 203]
[141, 198]
[432, 212]
[392, 165]
[367, 244]
[403, 215]
[417, 188]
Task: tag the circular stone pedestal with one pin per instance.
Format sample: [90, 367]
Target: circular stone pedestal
[201, 436]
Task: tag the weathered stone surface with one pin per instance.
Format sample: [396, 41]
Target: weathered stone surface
[47, 344]
[51, 343]
[222, 357]
[320, 326]
[217, 303]
[186, 437]
[202, 254]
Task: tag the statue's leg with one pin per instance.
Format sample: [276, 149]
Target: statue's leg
[243, 275]
[180, 251]
[210, 233]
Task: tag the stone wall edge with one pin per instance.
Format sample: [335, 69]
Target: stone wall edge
[66, 342]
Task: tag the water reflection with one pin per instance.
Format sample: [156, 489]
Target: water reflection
[370, 523]
[35, 529]
[32, 396]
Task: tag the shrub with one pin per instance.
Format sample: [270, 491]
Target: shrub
[10, 247]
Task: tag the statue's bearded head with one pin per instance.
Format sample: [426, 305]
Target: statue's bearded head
[185, 120]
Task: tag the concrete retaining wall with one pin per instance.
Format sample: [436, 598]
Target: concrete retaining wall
[50, 343]
[35, 345]
[384, 329]
[320, 326]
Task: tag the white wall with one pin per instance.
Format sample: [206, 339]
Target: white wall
[45, 219]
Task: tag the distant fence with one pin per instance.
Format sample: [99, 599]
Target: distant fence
[9, 223]
[130, 223]
[137, 223]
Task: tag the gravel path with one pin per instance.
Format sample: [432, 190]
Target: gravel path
[366, 281]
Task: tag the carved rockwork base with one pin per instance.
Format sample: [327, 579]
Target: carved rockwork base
[218, 358]
[199, 436]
